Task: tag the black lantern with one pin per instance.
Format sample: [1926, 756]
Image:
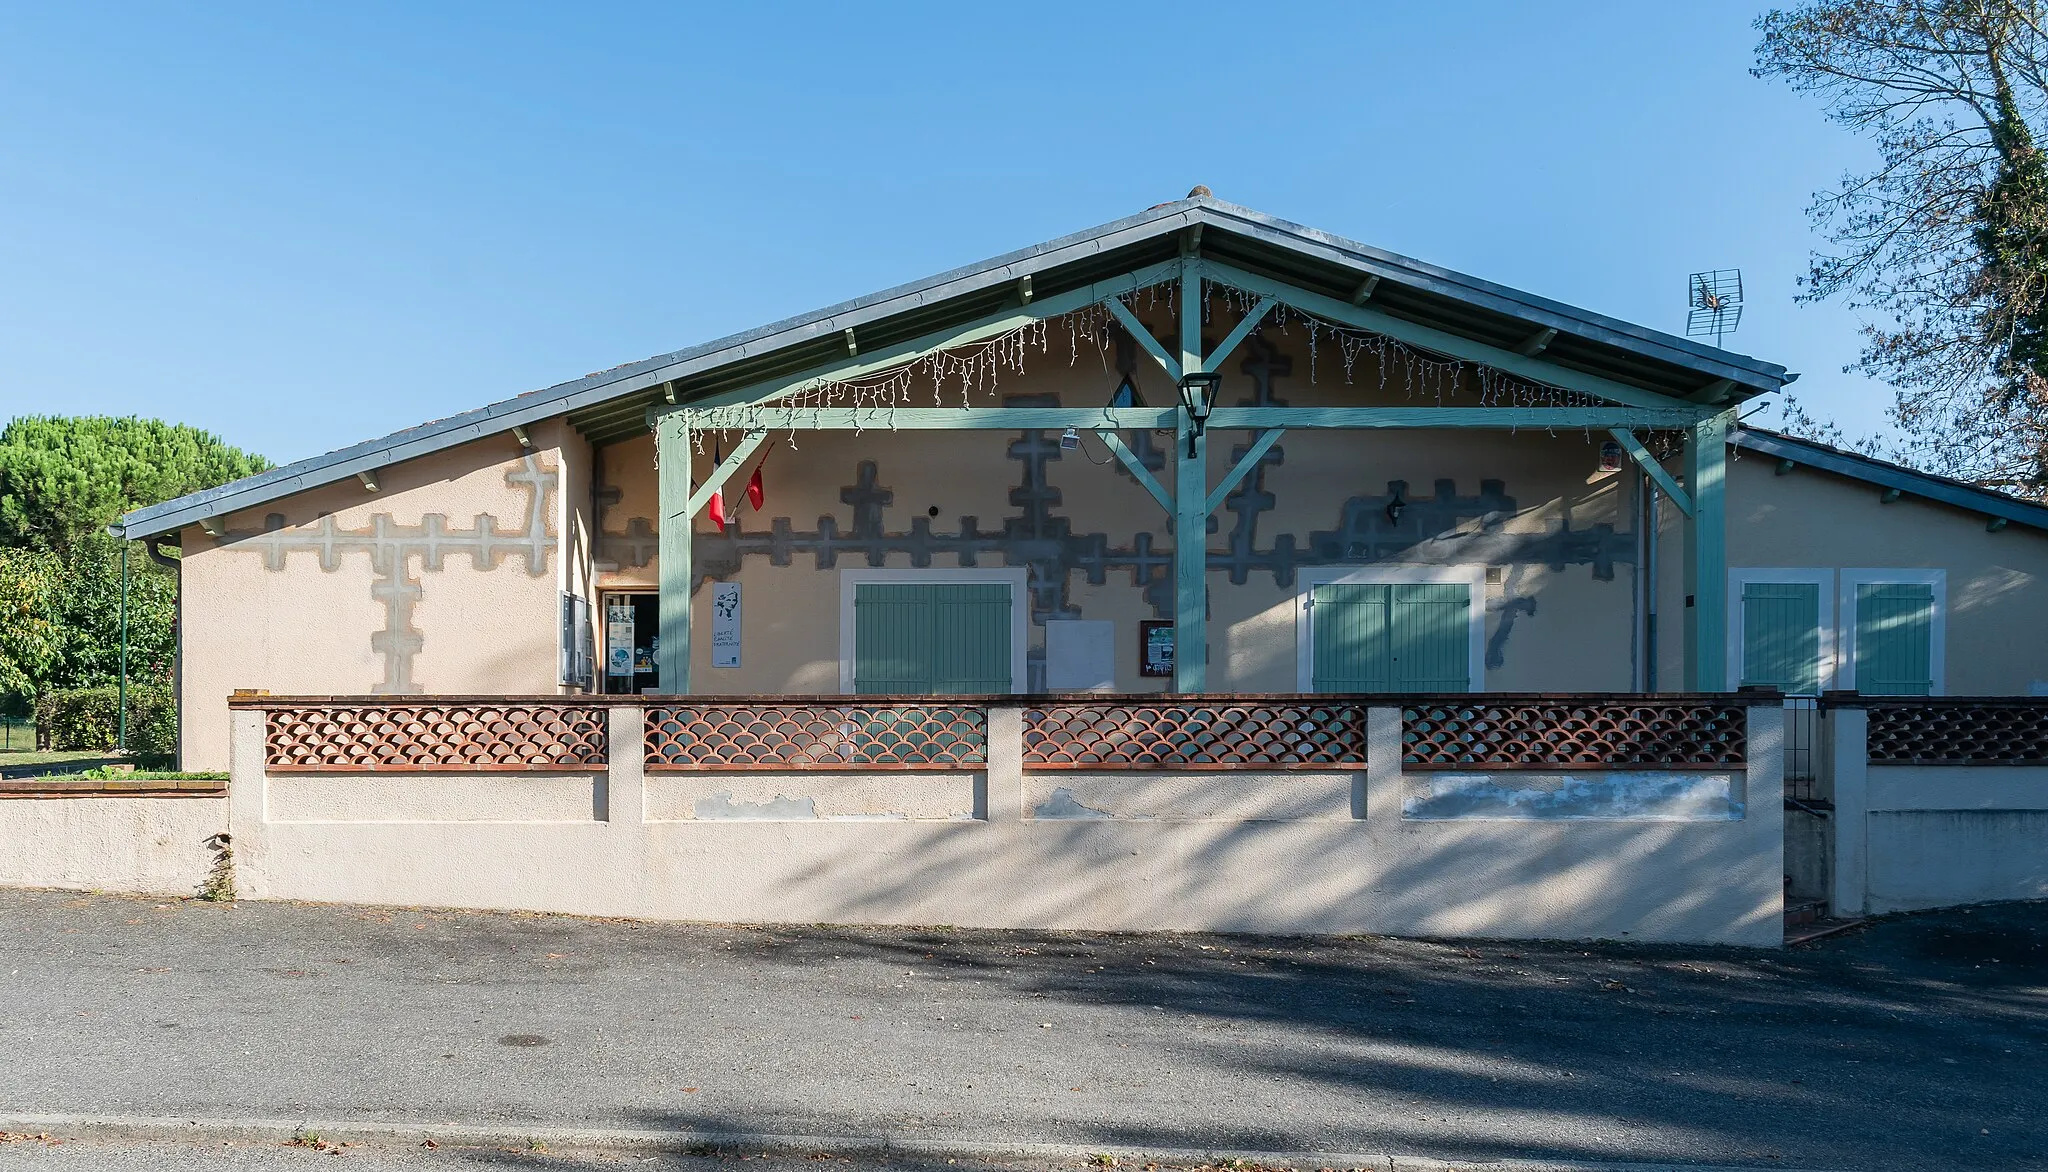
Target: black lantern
[1198, 395]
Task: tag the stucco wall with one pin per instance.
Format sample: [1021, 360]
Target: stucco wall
[1008, 847]
[444, 581]
[1997, 582]
[147, 845]
[1532, 506]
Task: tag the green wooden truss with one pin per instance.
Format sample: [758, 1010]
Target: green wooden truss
[1623, 411]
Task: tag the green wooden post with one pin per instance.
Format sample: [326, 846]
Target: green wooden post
[672, 454]
[1706, 563]
[1191, 522]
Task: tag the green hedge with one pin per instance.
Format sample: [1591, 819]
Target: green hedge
[88, 719]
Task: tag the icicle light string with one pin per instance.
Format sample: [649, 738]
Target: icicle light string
[977, 368]
[972, 369]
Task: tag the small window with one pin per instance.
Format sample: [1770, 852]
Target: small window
[932, 638]
[1390, 635]
[1781, 636]
[1894, 640]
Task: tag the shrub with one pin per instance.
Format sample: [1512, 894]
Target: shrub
[88, 720]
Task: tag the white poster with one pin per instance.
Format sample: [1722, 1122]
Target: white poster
[1080, 655]
[725, 624]
[618, 639]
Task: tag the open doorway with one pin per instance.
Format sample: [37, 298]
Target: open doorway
[632, 635]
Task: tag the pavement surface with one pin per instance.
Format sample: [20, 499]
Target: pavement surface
[1918, 1042]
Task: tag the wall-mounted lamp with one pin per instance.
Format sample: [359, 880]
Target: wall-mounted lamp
[1396, 506]
[1070, 439]
[1198, 395]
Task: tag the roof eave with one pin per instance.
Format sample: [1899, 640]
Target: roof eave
[1884, 474]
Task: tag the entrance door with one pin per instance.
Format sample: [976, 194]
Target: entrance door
[632, 633]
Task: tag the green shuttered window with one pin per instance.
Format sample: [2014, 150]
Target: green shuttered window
[1894, 639]
[1781, 636]
[931, 638]
[1390, 637]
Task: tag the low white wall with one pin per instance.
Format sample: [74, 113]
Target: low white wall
[1292, 852]
[145, 845]
[1941, 835]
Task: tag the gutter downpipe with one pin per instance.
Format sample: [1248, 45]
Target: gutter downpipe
[121, 736]
[1654, 508]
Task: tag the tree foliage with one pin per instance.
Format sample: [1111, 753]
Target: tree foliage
[63, 480]
[1946, 241]
[65, 477]
[29, 631]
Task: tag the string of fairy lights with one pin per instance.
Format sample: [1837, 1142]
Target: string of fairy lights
[957, 376]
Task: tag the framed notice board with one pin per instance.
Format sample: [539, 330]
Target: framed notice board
[1155, 648]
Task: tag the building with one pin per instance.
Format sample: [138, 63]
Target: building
[1414, 483]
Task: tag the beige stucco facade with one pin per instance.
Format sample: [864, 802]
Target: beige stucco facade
[1803, 519]
[449, 579]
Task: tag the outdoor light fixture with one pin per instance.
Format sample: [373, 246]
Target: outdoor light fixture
[1070, 439]
[1610, 457]
[1198, 395]
[1396, 507]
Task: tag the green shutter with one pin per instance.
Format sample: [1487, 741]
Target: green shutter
[930, 639]
[1390, 637]
[1894, 639]
[1348, 644]
[1781, 636]
[971, 639]
[1432, 637]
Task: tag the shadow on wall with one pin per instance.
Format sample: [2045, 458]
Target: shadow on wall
[1432, 879]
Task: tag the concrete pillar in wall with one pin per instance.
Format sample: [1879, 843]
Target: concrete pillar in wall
[1381, 796]
[626, 776]
[1763, 811]
[248, 799]
[1003, 792]
[1849, 766]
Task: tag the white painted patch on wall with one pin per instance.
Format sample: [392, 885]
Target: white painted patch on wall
[1080, 655]
[1620, 795]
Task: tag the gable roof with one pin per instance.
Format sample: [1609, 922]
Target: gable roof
[611, 405]
[1885, 474]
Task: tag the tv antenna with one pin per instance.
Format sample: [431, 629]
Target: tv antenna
[1713, 304]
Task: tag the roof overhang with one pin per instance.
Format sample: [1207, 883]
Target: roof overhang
[612, 405]
[1925, 485]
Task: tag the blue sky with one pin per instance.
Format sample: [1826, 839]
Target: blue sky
[301, 226]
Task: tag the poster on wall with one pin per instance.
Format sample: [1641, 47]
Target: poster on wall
[618, 638]
[1155, 648]
[725, 624]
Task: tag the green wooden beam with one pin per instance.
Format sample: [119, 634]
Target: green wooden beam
[1244, 329]
[1495, 418]
[1655, 468]
[903, 353]
[1242, 468]
[1122, 313]
[1366, 318]
[748, 445]
[1223, 418]
[1706, 563]
[1191, 520]
[672, 463]
[1136, 468]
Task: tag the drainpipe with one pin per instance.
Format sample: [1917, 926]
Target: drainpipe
[1655, 510]
[121, 737]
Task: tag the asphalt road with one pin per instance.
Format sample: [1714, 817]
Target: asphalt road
[1921, 1042]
